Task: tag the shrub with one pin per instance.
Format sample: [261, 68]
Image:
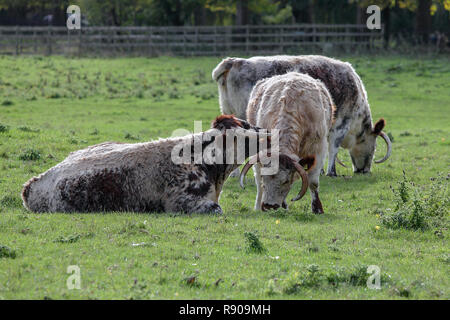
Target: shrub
[419, 208]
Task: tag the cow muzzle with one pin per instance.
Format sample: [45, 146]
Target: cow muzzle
[267, 207]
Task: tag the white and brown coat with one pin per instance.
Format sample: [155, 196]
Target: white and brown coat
[139, 177]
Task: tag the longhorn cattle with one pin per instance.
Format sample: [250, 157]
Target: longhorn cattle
[352, 128]
[140, 177]
[301, 108]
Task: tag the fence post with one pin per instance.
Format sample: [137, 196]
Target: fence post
[228, 38]
[150, 41]
[215, 40]
[281, 39]
[247, 31]
[34, 41]
[17, 40]
[184, 41]
[196, 41]
[49, 40]
[80, 44]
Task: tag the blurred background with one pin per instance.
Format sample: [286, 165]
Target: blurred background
[216, 27]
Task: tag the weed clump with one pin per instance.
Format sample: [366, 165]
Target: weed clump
[7, 103]
[418, 207]
[132, 227]
[312, 277]
[3, 128]
[7, 252]
[30, 155]
[254, 245]
[69, 239]
[27, 129]
[11, 201]
[129, 136]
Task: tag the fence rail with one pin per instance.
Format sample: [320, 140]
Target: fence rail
[188, 40]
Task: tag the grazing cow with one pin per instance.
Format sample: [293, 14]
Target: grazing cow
[301, 108]
[352, 128]
[140, 177]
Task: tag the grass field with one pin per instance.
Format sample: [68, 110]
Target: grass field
[52, 106]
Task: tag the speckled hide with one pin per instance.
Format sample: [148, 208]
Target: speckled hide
[138, 177]
[352, 128]
[301, 108]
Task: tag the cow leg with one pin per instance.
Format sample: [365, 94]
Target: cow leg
[316, 205]
[258, 182]
[337, 135]
[313, 179]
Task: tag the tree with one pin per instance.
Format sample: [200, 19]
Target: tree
[423, 20]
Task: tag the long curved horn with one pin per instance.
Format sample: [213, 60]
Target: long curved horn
[304, 176]
[251, 161]
[389, 147]
[340, 162]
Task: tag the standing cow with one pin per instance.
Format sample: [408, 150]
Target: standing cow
[301, 109]
[352, 128]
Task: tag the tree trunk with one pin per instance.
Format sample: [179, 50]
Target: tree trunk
[360, 15]
[242, 12]
[423, 20]
[200, 16]
[387, 25]
[311, 15]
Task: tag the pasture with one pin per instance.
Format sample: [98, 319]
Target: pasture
[50, 106]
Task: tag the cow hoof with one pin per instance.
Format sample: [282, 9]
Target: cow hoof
[332, 175]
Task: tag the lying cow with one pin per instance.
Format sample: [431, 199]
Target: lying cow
[352, 128]
[140, 177]
[301, 108]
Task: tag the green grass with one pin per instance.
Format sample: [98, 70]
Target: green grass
[52, 106]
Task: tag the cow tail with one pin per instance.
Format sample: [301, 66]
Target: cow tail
[221, 71]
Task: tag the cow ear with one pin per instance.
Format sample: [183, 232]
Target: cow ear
[379, 126]
[308, 162]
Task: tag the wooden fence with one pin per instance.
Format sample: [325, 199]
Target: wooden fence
[188, 41]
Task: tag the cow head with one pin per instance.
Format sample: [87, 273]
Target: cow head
[251, 137]
[276, 187]
[364, 149]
